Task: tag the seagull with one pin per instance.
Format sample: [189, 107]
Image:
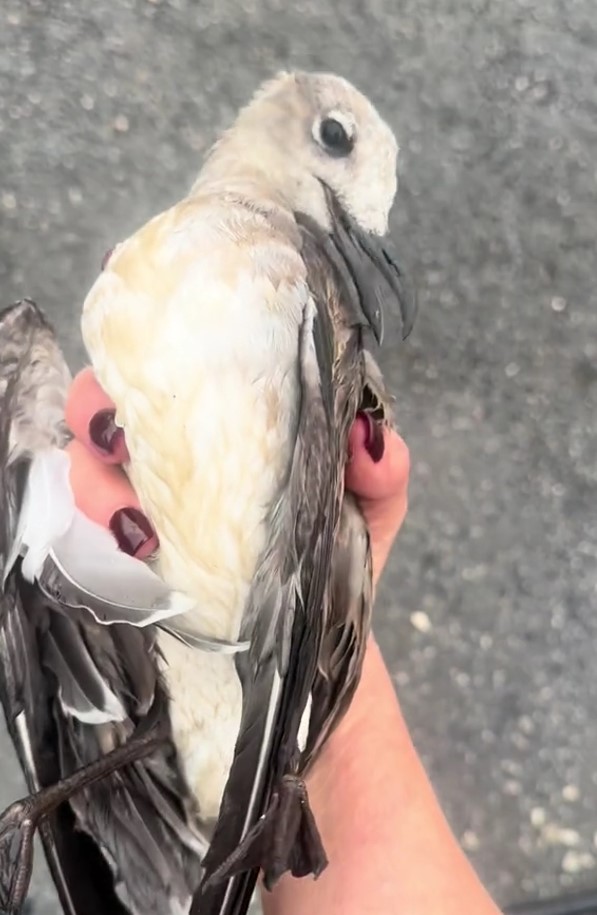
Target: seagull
[167, 712]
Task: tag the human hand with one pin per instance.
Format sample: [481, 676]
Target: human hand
[377, 473]
[381, 486]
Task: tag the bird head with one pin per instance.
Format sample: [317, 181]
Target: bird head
[318, 146]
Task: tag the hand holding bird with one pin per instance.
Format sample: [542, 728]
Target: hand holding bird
[377, 472]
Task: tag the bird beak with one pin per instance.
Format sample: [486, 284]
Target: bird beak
[373, 268]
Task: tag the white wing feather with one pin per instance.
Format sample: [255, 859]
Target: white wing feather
[47, 511]
[51, 526]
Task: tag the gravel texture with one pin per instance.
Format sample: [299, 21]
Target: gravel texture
[487, 615]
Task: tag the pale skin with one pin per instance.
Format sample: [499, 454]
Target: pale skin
[390, 847]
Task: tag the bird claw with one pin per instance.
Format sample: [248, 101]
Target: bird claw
[17, 829]
[19, 821]
[296, 845]
[285, 838]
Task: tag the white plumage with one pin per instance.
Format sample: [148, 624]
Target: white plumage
[208, 407]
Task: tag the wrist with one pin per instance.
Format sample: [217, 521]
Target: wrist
[389, 846]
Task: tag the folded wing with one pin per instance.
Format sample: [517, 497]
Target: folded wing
[71, 687]
[307, 616]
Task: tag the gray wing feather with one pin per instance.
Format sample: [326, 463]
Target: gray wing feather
[24, 331]
[33, 379]
[52, 659]
[308, 611]
[345, 639]
[82, 689]
[283, 618]
[154, 859]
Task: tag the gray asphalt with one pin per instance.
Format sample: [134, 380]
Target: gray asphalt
[487, 616]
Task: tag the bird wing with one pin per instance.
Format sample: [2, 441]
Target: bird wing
[72, 689]
[308, 611]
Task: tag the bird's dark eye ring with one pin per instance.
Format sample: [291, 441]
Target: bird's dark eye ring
[334, 137]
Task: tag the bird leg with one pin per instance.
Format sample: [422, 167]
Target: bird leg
[285, 838]
[20, 820]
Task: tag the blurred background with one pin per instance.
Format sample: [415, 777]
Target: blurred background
[487, 615]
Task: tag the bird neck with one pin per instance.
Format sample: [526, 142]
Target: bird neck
[257, 174]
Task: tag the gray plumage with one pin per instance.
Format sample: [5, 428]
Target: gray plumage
[140, 817]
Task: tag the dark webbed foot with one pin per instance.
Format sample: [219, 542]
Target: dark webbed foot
[285, 838]
[17, 828]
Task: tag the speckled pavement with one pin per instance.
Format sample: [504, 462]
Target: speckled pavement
[488, 612]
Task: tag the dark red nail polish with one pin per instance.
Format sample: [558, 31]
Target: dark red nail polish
[134, 534]
[104, 433]
[374, 438]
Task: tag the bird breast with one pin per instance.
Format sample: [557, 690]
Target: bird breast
[193, 331]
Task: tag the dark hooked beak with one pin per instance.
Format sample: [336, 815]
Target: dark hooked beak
[371, 262]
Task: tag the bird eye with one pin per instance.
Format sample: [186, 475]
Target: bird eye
[335, 138]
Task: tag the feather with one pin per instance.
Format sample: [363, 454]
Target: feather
[285, 617]
[345, 640]
[118, 587]
[61, 670]
[308, 612]
[86, 568]
[139, 818]
[203, 642]
[82, 692]
[47, 510]
[80, 875]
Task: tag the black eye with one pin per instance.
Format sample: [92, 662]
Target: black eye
[334, 137]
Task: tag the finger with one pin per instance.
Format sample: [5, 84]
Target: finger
[379, 464]
[90, 417]
[103, 493]
[378, 473]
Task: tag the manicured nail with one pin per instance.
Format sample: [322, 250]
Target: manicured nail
[134, 534]
[104, 433]
[374, 438]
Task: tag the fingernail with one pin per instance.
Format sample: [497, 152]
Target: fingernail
[374, 438]
[134, 534]
[104, 433]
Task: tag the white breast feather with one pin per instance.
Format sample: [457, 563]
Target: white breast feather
[193, 332]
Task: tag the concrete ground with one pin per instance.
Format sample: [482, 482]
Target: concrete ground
[488, 612]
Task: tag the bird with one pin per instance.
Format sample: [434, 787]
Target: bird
[167, 712]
